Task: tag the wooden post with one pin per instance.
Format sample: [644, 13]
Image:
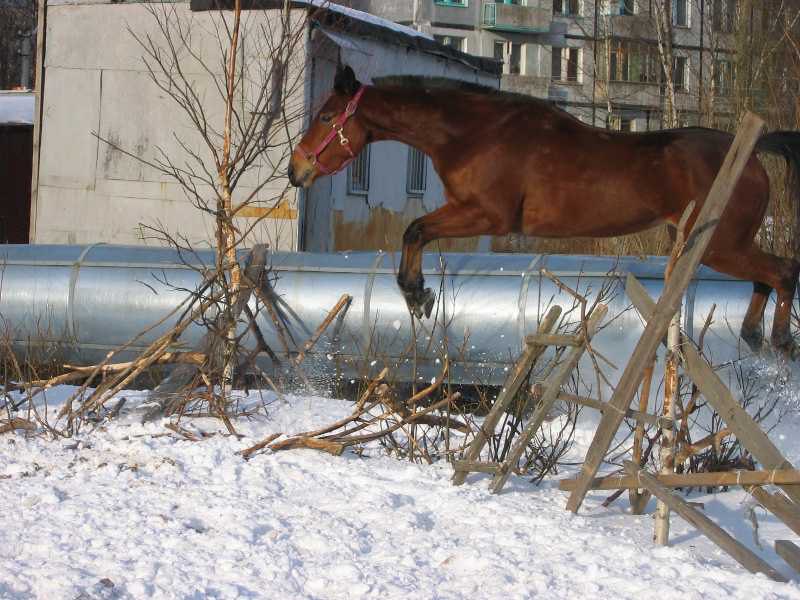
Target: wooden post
[716, 534]
[670, 300]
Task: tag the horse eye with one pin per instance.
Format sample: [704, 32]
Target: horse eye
[325, 118]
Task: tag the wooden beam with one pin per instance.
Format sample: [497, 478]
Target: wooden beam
[746, 430]
[696, 244]
[675, 480]
[636, 415]
[716, 534]
[553, 339]
[779, 505]
[473, 466]
[789, 552]
[546, 402]
[513, 382]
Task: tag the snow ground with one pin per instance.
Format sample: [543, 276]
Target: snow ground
[128, 512]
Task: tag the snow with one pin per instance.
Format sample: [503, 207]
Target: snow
[133, 511]
[16, 108]
[366, 17]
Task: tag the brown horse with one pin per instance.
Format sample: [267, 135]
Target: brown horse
[512, 163]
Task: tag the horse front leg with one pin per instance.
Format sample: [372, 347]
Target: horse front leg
[449, 221]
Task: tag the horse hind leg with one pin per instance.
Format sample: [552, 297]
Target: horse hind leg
[768, 272]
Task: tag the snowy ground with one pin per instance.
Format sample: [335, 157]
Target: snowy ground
[128, 512]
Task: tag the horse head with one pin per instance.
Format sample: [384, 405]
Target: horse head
[335, 136]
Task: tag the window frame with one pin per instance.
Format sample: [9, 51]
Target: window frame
[416, 158]
[687, 4]
[363, 157]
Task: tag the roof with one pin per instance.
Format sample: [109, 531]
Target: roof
[16, 108]
[365, 25]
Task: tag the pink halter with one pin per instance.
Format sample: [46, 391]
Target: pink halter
[336, 129]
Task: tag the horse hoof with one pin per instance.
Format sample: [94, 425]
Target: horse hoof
[427, 300]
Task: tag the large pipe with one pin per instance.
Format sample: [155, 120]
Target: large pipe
[88, 300]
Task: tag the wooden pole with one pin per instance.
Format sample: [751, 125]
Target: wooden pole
[716, 534]
[697, 242]
[681, 480]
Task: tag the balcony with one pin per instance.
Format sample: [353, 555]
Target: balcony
[505, 16]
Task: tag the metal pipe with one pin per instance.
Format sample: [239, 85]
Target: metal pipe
[87, 300]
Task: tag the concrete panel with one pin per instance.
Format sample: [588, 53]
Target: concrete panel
[70, 113]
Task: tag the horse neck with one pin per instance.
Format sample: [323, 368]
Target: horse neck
[408, 116]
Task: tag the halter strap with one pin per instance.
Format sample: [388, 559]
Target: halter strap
[336, 129]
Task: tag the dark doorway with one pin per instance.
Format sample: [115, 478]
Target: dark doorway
[16, 161]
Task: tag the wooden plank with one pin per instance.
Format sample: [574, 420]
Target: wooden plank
[513, 382]
[547, 401]
[674, 480]
[746, 430]
[636, 415]
[789, 552]
[553, 339]
[472, 466]
[779, 505]
[643, 354]
[716, 534]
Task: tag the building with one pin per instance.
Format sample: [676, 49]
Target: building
[599, 59]
[103, 124]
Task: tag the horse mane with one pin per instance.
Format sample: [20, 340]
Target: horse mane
[420, 82]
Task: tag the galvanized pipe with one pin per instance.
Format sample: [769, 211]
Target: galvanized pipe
[90, 299]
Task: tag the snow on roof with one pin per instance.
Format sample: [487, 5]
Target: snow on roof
[365, 17]
[16, 108]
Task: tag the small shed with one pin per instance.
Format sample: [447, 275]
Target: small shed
[96, 87]
[16, 152]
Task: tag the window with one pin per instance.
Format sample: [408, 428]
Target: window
[681, 9]
[620, 123]
[566, 64]
[454, 41]
[724, 16]
[680, 73]
[633, 62]
[515, 59]
[627, 7]
[566, 8]
[499, 51]
[451, 2]
[723, 77]
[358, 174]
[416, 172]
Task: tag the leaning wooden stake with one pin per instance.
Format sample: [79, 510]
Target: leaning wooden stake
[643, 354]
[533, 350]
[555, 381]
[719, 536]
[743, 426]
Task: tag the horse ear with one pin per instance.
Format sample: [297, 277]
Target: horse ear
[345, 82]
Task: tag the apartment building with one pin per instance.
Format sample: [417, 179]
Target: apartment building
[599, 59]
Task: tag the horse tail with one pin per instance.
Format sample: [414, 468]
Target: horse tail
[787, 145]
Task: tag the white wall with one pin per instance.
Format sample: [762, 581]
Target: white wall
[96, 81]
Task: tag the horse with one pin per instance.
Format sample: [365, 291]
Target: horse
[516, 164]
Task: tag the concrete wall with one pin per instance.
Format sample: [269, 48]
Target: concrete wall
[96, 82]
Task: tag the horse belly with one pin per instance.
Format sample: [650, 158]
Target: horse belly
[587, 213]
